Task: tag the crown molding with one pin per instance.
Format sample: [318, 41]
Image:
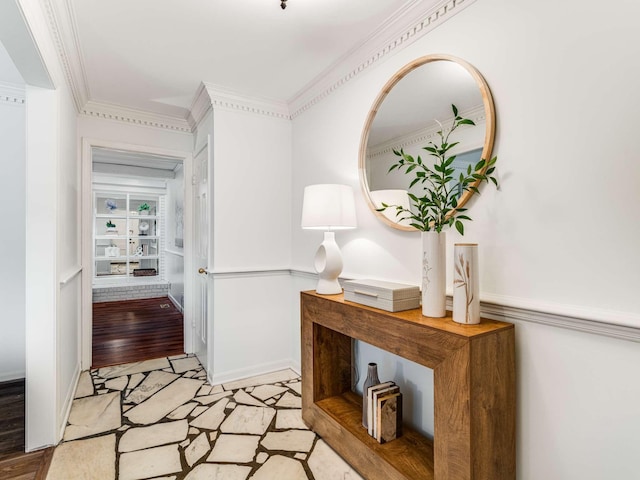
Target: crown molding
[424, 135]
[136, 117]
[200, 106]
[209, 96]
[11, 94]
[398, 33]
[62, 26]
[223, 97]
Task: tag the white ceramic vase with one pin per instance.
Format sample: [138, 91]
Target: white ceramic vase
[434, 272]
[466, 288]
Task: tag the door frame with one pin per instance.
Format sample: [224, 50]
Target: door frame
[87, 237]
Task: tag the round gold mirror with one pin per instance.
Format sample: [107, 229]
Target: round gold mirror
[409, 111]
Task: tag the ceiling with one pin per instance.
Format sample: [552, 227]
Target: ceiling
[8, 71]
[152, 55]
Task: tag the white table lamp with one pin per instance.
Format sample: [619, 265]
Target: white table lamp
[328, 207]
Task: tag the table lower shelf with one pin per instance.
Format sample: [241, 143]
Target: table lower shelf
[409, 457]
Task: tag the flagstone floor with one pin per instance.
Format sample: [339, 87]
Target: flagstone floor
[161, 420]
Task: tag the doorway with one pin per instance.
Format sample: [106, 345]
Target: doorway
[135, 293]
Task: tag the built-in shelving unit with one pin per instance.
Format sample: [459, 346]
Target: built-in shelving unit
[474, 391]
[127, 239]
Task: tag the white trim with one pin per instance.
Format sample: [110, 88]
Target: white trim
[200, 106]
[173, 252]
[392, 37]
[304, 274]
[70, 59]
[68, 401]
[622, 325]
[222, 97]
[608, 323]
[507, 313]
[70, 275]
[87, 234]
[267, 272]
[12, 94]
[175, 302]
[143, 118]
[248, 372]
[395, 34]
[11, 376]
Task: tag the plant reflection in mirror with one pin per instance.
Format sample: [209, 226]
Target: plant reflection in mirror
[438, 206]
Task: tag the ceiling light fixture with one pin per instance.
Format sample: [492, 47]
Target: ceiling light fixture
[283, 4]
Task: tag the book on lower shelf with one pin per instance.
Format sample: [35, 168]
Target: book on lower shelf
[389, 417]
[370, 403]
[384, 414]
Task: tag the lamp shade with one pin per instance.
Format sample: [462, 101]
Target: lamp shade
[328, 207]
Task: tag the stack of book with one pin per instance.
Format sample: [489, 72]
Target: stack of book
[384, 414]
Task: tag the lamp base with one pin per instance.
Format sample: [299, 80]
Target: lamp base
[328, 287]
[328, 264]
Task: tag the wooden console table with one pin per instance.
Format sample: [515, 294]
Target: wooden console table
[474, 391]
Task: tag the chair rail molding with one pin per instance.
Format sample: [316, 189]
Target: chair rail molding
[608, 323]
[70, 275]
[620, 325]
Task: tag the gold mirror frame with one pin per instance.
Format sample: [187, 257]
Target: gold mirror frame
[490, 125]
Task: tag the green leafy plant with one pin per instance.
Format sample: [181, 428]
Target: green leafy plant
[110, 224]
[438, 206]
[144, 206]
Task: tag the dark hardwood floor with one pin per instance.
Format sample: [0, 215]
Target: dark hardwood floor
[136, 330]
[12, 395]
[26, 466]
[14, 463]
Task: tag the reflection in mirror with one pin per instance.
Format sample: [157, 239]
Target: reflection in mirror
[412, 107]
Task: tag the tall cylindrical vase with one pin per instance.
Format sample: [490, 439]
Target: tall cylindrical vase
[466, 288]
[434, 272]
[372, 379]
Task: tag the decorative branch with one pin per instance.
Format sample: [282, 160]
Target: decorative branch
[438, 207]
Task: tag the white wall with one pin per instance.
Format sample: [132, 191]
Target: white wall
[174, 259]
[561, 232]
[12, 249]
[69, 254]
[252, 198]
[51, 242]
[251, 228]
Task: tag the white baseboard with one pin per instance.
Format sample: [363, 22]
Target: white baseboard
[253, 371]
[176, 303]
[8, 376]
[295, 366]
[68, 401]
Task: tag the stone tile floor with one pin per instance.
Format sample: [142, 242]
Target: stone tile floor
[161, 420]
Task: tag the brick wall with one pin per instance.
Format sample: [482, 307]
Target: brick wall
[129, 292]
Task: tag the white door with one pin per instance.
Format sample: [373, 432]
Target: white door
[201, 250]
